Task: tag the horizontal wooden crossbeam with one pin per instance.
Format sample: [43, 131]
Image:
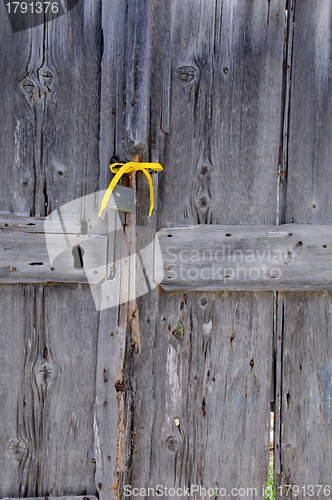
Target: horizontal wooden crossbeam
[36, 250]
[206, 257]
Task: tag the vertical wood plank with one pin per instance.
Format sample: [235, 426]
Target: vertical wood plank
[48, 364]
[16, 148]
[219, 150]
[73, 51]
[303, 439]
[109, 412]
[124, 133]
[51, 97]
[49, 156]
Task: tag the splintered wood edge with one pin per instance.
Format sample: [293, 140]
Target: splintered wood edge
[21, 223]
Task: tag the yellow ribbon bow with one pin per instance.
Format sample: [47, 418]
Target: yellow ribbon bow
[125, 168]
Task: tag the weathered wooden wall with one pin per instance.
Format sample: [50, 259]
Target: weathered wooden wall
[234, 100]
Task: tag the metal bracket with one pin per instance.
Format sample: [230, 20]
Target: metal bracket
[122, 199]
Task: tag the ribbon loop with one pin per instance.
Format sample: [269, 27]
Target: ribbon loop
[124, 168]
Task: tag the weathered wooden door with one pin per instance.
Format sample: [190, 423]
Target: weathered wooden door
[233, 99]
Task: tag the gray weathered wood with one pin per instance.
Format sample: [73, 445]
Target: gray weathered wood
[213, 257]
[47, 370]
[123, 132]
[217, 384]
[36, 224]
[49, 156]
[217, 138]
[25, 258]
[302, 419]
[179, 394]
[304, 390]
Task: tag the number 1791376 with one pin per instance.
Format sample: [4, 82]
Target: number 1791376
[32, 8]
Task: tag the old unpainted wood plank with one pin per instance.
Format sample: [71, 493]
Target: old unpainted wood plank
[217, 138]
[222, 149]
[109, 408]
[48, 367]
[213, 257]
[49, 156]
[208, 413]
[303, 440]
[26, 258]
[124, 134]
[16, 150]
[50, 146]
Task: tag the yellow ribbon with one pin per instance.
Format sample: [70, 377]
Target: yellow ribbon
[125, 168]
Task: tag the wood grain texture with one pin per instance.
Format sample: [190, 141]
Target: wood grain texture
[25, 258]
[109, 413]
[51, 98]
[48, 366]
[124, 115]
[303, 429]
[213, 257]
[49, 156]
[303, 439]
[217, 384]
[24, 224]
[308, 198]
[217, 138]
[225, 114]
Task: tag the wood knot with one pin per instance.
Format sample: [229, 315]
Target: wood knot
[37, 84]
[172, 444]
[203, 203]
[26, 180]
[204, 172]
[45, 374]
[187, 74]
[18, 449]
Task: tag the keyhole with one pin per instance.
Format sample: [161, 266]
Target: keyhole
[78, 253]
